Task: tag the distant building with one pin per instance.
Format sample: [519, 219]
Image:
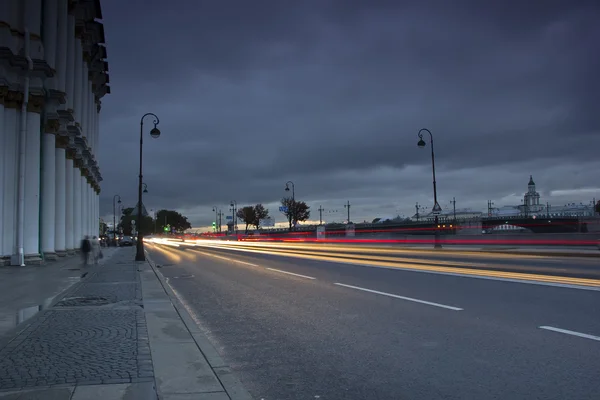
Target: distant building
[531, 207]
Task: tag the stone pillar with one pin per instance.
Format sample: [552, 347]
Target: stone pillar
[70, 75]
[77, 89]
[96, 126]
[77, 234]
[93, 229]
[60, 210]
[97, 202]
[3, 92]
[83, 206]
[90, 118]
[61, 45]
[33, 18]
[48, 187]
[32, 178]
[69, 197]
[9, 153]
[50, 35]
[83, 111]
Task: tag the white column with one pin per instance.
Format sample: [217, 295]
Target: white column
[97, 208]
[77, 234]
[3, 146]
[31, 229]
[83, 218]
[33, 17]
[83, 112]
[95, 127]
[50, 33]
[69, 208]
[48, 195]
[70, 74]
[9, 151]
[84, 101]
[90, 118]
[60, 210]
[61, 45]
[77, 89]
[93, 213]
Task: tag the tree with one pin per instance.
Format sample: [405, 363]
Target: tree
[173, 219]
[147, 223]
[103, 228]
[247, 215]
[597, 207]
[297, 211]
[260, 213]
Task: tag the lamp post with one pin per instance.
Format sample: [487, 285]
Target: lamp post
[216, 211]
[292, 212]
[155, 133]
[145, 188]
[233, 205]
[115, 217]
[436, 206]
[347, 206]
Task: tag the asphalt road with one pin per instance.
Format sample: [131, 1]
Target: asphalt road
[335, 330]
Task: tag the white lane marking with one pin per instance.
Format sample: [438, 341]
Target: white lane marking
[228, 259]
[290, 273]
[573, 333]
[429, 303]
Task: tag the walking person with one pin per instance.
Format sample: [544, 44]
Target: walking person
[96, 251]
[86, 249]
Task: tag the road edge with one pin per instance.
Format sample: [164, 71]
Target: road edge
[232, 385]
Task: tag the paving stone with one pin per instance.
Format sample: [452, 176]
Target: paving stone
[110, 292]
[113, 275]
[76, 346]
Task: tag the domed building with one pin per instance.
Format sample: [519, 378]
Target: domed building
[531, 199]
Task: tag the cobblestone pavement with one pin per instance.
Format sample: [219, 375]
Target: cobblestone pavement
[95, 334]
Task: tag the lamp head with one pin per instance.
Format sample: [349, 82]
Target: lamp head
[155, 132]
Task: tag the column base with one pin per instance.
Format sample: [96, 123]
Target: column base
[33, 259]
[71, 252]
[50, 256]
[61, 253]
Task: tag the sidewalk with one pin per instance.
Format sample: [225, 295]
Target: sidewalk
[118, 333]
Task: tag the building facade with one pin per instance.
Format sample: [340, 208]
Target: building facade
[53, 75]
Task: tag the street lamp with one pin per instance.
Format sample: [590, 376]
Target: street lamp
[145, 188]
[233, 205]
[436, 206]
[115, 217]
[292, 212]
[216, 211]
[154, 133]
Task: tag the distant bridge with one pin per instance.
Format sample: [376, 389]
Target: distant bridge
[535, 224]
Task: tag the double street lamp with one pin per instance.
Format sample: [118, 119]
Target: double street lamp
[155, 133]
[436, 206]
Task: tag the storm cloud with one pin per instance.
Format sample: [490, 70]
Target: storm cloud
[331, 95]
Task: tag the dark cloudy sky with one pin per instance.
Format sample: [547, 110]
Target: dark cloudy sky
[331, 94]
